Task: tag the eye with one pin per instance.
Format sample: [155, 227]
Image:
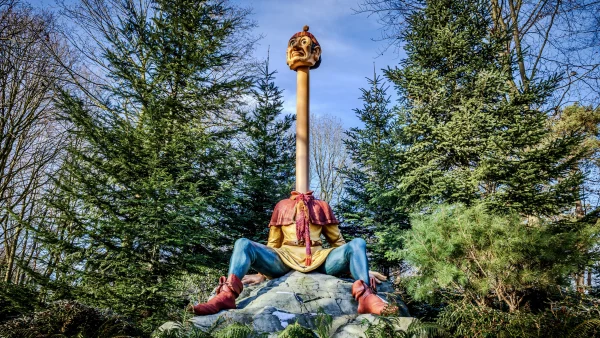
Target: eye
[292, 41]
[305, 41]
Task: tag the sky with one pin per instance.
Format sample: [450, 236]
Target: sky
[349, 52]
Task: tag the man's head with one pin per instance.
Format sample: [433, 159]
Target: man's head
[303, 50]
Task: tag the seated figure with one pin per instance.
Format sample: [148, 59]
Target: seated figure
[294, 243]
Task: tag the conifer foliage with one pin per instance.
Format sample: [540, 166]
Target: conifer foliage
[141, 201]
[467, 135]
[370, 207]
[490, 183]
[494, 260]
[268, 154]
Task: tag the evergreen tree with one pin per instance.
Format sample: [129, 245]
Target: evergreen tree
[146, 185]
[468, 139]
[268, 153]
[492, 260]
[369, 207]
[467, 135]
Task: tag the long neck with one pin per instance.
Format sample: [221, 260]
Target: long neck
[302, 130]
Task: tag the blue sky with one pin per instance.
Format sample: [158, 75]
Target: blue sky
[346, 39]
[348, 51]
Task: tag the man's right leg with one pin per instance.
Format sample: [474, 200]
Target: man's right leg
[246, 254]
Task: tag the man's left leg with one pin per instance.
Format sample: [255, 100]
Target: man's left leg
[352, 257]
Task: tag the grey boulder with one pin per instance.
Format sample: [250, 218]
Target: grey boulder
[297, 297]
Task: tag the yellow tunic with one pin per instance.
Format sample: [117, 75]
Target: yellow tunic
[294, 255]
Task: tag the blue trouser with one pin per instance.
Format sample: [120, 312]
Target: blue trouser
[351, 257]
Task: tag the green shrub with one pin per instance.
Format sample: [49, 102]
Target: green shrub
[573, 316]
[193, 287]
[425, 311]
[296, 331]
[17, 300]
[323, 322]
[235, 330]
[489, 258]
[68, 319]
[182, 329]
[589, 328]
[220, 329]
[473, 321]
[388, 327]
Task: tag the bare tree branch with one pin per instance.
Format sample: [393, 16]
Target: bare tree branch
[31, 138]
[328, 155]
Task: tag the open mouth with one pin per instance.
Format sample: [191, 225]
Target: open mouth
[297, 54]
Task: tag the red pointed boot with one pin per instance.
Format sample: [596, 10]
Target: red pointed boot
[227, 291]
[368, 301]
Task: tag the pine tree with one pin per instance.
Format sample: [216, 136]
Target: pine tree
[146, 184]
[466, 134]
[492, 260]
[487, 178]
[369, 207]
[268, 153]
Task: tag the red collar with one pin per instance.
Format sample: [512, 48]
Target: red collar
[307, 195]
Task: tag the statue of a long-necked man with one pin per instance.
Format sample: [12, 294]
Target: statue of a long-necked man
[296, 227]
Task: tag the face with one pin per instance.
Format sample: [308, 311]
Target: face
[301, 52]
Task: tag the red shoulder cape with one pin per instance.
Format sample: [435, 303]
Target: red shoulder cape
[319, 211]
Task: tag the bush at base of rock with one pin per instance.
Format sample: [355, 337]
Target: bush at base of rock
[68, 319]
[235, 331]
[297, 331]
[570, 317]
[388, 328]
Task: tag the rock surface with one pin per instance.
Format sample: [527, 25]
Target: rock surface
[296, 297]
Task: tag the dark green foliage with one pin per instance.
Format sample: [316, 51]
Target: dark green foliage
[383, 329]
[572, 316]
[370, 208]
[182, 333]
[466, 134]
[17, 300]
[297, 331]
[388, 327]
[474, 321]
[323, 323]
[426, 311]
[182, 327]
[267, 153]
[224, 329]
[191, 288]
[69, 319]
[142, 193]
[235, 330]
[589, 328]
[469, 139]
